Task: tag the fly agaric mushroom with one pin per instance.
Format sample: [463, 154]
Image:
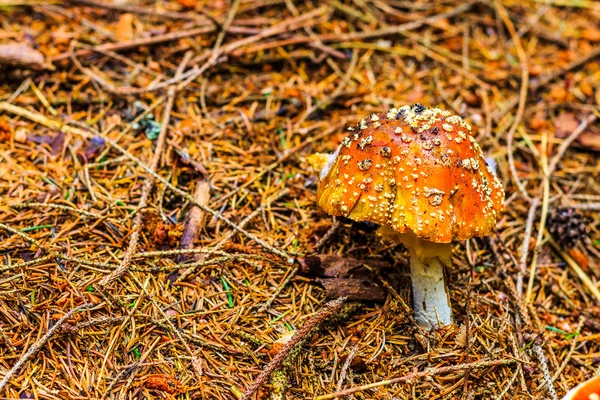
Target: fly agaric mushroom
[588, 390]
[418, 173]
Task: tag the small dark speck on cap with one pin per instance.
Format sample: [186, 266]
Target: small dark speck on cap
[435, 130]
[419, 108]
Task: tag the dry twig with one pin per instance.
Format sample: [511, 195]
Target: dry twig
[327, 311]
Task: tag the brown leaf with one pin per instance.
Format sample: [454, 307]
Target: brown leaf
[188, 3]
[185, 158]
[591, 34]
[358, 363]
[280, 343]
[124, 28]
[332, 266]
[580, 259]
[164, 383]
[4, 130]
[92, 148]
[566, 123]
[590, 140]
[55, 142]
[20, 54]
[166, 234]
[354, 289]
[349, 277]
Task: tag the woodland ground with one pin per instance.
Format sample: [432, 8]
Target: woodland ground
[116, 118]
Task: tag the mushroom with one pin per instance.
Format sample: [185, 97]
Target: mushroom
[420, 175]
[588, 390]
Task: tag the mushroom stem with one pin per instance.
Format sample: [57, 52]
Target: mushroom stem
[431, 299]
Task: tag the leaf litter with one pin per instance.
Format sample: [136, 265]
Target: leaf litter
[112, 114]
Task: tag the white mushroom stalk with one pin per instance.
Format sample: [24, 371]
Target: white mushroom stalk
[428, 264]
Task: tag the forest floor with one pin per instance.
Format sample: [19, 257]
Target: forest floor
[159, 234]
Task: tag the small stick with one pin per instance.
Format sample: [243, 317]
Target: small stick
[547, 378]
[345, 367]
[417, 375]
[392, 30]
[212, 58]
[230, 17]
[317, 43]
[193, 223]
[130, 44]
[509, 384]
[38, 345]
[522, 270]
[195, 216]
[20, 206]
[327, 311]
[173, 329]
[338, 90]
[390, 288]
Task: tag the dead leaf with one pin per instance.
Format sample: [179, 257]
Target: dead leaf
[590, 140]
[358, 363]
[186, 159]
[166, 234]
[92, 149]
[280, 343]
[188, 3]
[559, 94]
[461, 336]
[164, 383]
[580, 259]
[124, 28]
[332, 266]
[591, 34]
[353, 289]
[349, 277]
[57, 143]
[586, 88]
[566, 123]
[4, 130]
[22, 55]
[21, 135]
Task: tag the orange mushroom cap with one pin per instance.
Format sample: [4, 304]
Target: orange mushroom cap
[414, 168]
[588, 390]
